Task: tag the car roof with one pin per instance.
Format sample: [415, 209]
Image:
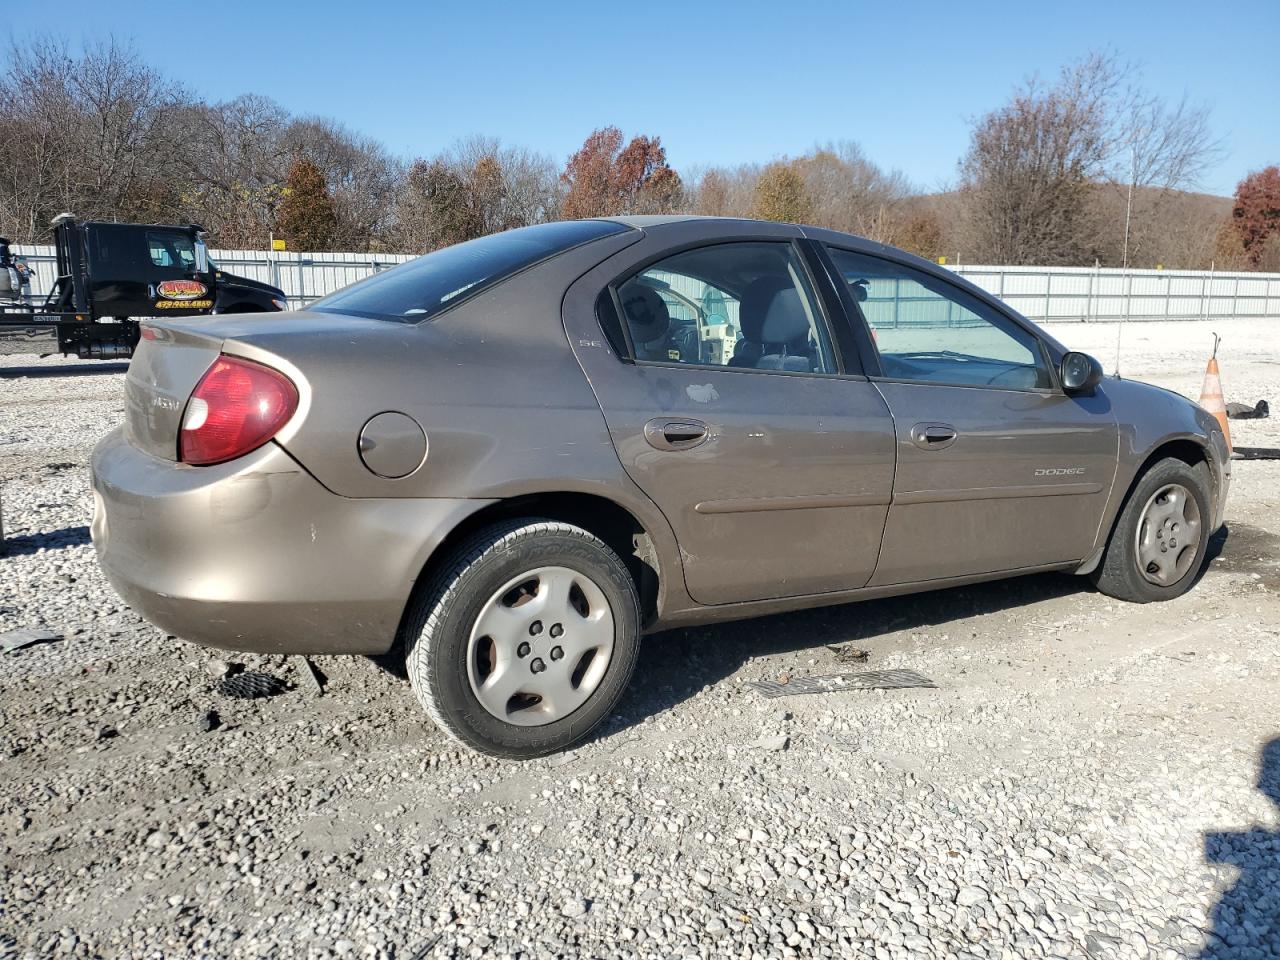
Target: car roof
[653, 220]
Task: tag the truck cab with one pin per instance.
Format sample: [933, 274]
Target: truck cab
[110, 274]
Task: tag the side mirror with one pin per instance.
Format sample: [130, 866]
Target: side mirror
[1080, 373]
[202, 254]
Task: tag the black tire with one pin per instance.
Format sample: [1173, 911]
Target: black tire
[1119, 574]
[442, 615]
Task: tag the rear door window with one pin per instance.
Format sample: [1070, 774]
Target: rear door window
[422, 288]
[744, 305]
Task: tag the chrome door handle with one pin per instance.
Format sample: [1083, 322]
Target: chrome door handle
[675, 433]
[933, 436]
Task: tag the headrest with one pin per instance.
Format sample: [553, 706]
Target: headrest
[785, 320]
[771, 312]
[755, 302]
[646, 313]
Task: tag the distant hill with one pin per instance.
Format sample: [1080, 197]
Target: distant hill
[1173, 228]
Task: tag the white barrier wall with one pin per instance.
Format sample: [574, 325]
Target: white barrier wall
[1040, 293]
[1083, 294]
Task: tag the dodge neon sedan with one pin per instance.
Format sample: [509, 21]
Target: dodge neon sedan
[512, 457]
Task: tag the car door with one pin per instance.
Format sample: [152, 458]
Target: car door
[997, 469]
[730, 408]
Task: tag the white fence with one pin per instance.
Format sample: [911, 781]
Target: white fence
[1046, 294]
[1049, 294]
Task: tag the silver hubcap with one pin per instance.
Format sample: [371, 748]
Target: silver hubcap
[540, 647]
[1168, 535]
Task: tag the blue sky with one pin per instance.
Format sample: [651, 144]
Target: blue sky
[721, 83]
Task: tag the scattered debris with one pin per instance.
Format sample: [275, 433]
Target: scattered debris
[14, 640]
[317, 678]
[209, 720]
[849, 654]
[221, 668]
[833, 683]
[251, 685]
[780, 742]
[1242, 411]
[1256, 453]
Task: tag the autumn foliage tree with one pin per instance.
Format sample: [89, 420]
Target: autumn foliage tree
[306, 218]
[606, 179]
[780, 194]
[920, 233]
[1256, 213]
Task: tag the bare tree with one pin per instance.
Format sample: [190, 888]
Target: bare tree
[81, 132]
[233, 161]
[526, 189]
[848, 192]
[476, 187]
[1027, 174]
[361, 177]
[1030, 173]
[1158, 147]
[725, 191]
[710, 195]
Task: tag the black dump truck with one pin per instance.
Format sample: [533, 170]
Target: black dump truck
[109, 275]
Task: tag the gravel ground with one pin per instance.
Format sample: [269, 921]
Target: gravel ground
[1090, 779]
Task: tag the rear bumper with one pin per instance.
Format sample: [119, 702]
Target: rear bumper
[257, 555]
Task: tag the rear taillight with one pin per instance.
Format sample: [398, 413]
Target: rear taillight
[237, 406]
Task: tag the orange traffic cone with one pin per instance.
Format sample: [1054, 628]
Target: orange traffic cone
[1211, 393]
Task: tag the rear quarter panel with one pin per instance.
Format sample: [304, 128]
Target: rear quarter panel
[492, 382]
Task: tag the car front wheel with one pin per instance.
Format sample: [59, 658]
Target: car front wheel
[525, 639]
[1158, 544]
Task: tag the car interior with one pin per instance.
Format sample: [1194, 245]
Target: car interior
[775, 325]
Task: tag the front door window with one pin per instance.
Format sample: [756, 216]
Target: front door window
[926, 330]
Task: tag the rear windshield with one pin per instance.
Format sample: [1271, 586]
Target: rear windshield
[421, 288]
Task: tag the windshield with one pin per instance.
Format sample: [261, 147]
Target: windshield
[422, 288]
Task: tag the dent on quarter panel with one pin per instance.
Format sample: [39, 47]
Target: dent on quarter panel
[244, 497]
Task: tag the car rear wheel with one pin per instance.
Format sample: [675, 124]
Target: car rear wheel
[1158, 544]
[526, 638]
